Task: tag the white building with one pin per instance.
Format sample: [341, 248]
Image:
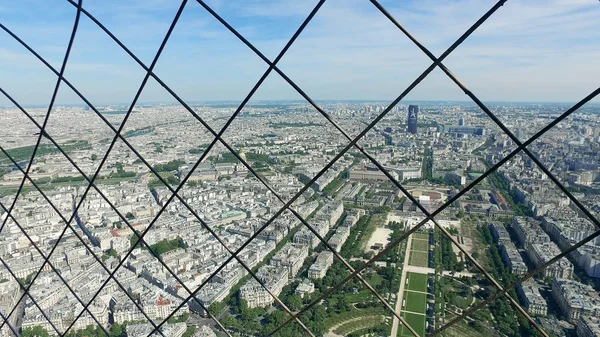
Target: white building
[255, 295]
[318, 269]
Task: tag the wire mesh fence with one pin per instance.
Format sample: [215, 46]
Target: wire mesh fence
[86, 309]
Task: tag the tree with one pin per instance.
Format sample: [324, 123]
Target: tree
[231, 323]
[89, 331]
[382, 209]
[173, 165]
[118, 330]
[189, 332]
[485, 233]
[342, 305]
[36, 331]
[384, 286]
[134, 239]
[453, 230]
[467, 280]
[94, 156]
[243, 305]
[319, 314]
[181, 318]
[129, 216]
[475, 324]
[113, 253]
[165, 245]
[27, 280]
[294, 302]
[216, 308]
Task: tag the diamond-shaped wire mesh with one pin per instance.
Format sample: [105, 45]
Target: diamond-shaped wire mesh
[232, 266]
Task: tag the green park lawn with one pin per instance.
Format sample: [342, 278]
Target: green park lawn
[417, 322]
[418, 259]
[415, 302]
[420, 245]
[374, 279]
[359, 324]
[417, 282]
[421, 236]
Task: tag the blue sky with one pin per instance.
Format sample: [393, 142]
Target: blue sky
[530, 50]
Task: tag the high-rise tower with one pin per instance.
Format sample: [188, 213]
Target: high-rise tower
[413, 114]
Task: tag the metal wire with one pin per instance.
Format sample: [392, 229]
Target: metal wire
[60, 79]
[38, 142]
[90, 251]
[144, 81]
[564, 253]
[250, 169]
[516, 283]
[25, 292]
[513, 138]
[287, 205]
[206, 125]
[63, 218]
[126, 221]
[12, 329]
[164, 182]
[46, 260]
[453, 199]
[50, 106]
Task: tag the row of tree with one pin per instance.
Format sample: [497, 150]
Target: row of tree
[261, 321]
[117, 330]
[427, 170]
[171, 166]
[500, 181]
[449, 260]
[509, 321]
[164, 246]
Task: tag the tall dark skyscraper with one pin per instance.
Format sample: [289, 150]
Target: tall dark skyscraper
[413, 114]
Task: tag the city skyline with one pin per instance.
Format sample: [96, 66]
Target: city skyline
[340, 101]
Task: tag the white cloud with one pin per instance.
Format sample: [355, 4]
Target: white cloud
[528, 48]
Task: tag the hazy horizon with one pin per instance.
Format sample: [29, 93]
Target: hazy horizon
[282, 101]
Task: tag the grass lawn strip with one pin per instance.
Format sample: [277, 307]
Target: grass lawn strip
[417, 322]
[415, 302]
[418, 259]
[420, 245]
[417, 282]
[421, 236]
[358, 324]
[352, 315]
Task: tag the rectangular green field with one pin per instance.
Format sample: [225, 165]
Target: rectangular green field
[416, 282]
[418, 259]
[421, 236]
[416, 322]
[415, 302]
[420, 245]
